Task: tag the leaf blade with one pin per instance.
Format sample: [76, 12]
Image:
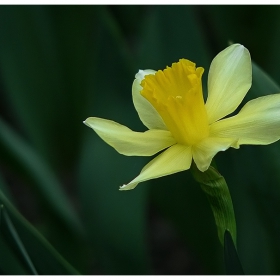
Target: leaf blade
[232, 262]
[30, 240]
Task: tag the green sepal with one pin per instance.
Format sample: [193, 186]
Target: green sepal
[215, 187]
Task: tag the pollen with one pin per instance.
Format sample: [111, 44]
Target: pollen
[176, 94]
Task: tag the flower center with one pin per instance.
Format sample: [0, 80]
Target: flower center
[176, 94]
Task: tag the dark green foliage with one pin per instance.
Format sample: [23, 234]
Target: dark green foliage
[62, 64]
[232, 262]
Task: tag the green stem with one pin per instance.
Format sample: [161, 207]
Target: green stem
[215, 187]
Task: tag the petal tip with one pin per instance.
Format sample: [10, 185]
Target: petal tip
[91, 121]
[142, 73]
[237, 45]
[124, 188]
[238, 48]
[86, 122]
[203, 168]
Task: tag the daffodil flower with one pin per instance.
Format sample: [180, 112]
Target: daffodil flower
[170, 104]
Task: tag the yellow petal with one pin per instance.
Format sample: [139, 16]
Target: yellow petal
[204, 152]
[128, 142]
[258, 122]
[175, 159]
[229, 79]
[147, 113]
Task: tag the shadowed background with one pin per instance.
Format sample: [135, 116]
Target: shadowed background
[62, 64]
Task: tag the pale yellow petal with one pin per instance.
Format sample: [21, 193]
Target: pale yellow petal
[147, 113]
[229, 79]
[258, 122]
[175, 159]
[204, 151]
[128, 142]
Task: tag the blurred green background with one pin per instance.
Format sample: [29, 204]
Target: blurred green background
[61, 211]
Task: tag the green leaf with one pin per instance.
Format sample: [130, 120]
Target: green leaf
[262, 83]
[161, 45]
[10, 263]
[46, 65]
[253, 171]
[267, 194]
[7, 223]
[179, 201]
[45, 62]
[4, 188]
[26, 162]
[232, 262]
[113, 27]
[115, 222]
[215, 187]
[30, 247]
[177, 197]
